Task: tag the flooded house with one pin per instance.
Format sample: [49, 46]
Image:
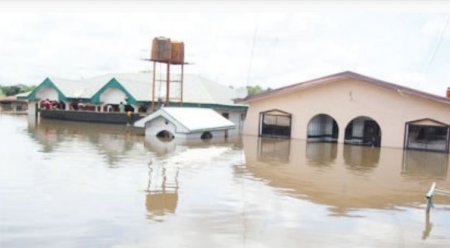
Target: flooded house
[125, 98]
[354, 109]
[13, 105]
[185, 123]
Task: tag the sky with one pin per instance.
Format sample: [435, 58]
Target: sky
[237, 43]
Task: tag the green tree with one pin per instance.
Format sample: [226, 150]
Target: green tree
[15, 89]
[253, 90]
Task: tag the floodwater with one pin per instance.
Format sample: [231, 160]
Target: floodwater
[65, 184]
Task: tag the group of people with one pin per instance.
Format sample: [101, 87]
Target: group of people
[55, 105]
[47, 104]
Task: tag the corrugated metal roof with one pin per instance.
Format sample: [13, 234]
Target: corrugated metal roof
[193, 119]
[196, 89]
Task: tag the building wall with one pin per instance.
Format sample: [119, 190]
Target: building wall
[219, 134]
[152, 128]
[345, 100]
[47, 93]
[237, 117]
[112, 96]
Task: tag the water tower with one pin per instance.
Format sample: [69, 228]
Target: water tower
[169, 53]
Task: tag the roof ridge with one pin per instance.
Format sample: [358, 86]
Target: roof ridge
[352, 75]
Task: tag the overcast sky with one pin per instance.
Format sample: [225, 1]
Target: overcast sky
[234, 43]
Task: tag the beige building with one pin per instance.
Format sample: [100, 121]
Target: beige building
[354, 109]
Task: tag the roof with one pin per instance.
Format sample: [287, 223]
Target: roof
[197, 89]
[341, 76]
[23, 95]
[7, 98]
[192, 119]
[11, 99]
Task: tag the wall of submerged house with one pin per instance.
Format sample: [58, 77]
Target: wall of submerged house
[47, 93]
[157, 125]
[344, 101]
[113, 96]
[163, 128]
[235, 116]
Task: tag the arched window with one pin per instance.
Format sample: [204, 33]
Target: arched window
[363, 131]
[323, 128]
[165, 135]
[206, 135]
[275, 123]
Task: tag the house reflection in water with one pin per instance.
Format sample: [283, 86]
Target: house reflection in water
[162, 192]
[160, 146]
[361, 158]
[274, 150]
[350, 178]
[421, 164]
[112, 142]
[321, 154]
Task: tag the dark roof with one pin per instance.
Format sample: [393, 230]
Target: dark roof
[346, 75]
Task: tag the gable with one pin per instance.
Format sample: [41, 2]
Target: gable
[427, 122]
[112, 84]
[46, 85]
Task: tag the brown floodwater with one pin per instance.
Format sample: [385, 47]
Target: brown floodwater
[66, 184]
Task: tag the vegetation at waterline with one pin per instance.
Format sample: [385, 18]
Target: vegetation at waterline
[12, 90]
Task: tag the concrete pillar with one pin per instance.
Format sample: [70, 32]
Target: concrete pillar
[342, 125]
[31, 108]
[66, 105]
[136, 108]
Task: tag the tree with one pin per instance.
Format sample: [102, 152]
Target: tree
[253, 90]
[11, 90]
[15, 89]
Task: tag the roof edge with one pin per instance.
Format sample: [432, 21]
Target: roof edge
[343, 75]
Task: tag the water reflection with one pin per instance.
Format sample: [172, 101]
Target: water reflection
[111, 141]
[428, 226]
[425, 164]
[321, 154]
[356, 177]
[209, 194]
[160, 147]
[274, 150]
[162, 192]
[361, 158]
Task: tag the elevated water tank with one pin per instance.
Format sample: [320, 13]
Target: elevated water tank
[177, 56]
[161, 49]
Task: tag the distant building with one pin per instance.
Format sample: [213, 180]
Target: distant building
[13, 105]
[353, 109]
[104, 94]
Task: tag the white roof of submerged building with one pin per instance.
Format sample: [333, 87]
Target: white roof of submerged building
[82, 88]
[197, 89]
[192, 119]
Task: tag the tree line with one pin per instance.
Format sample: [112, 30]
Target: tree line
[12, 90]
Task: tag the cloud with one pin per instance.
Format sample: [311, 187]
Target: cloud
[270, 48]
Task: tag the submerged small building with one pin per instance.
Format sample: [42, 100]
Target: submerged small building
[185, 123]
[353, 109]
